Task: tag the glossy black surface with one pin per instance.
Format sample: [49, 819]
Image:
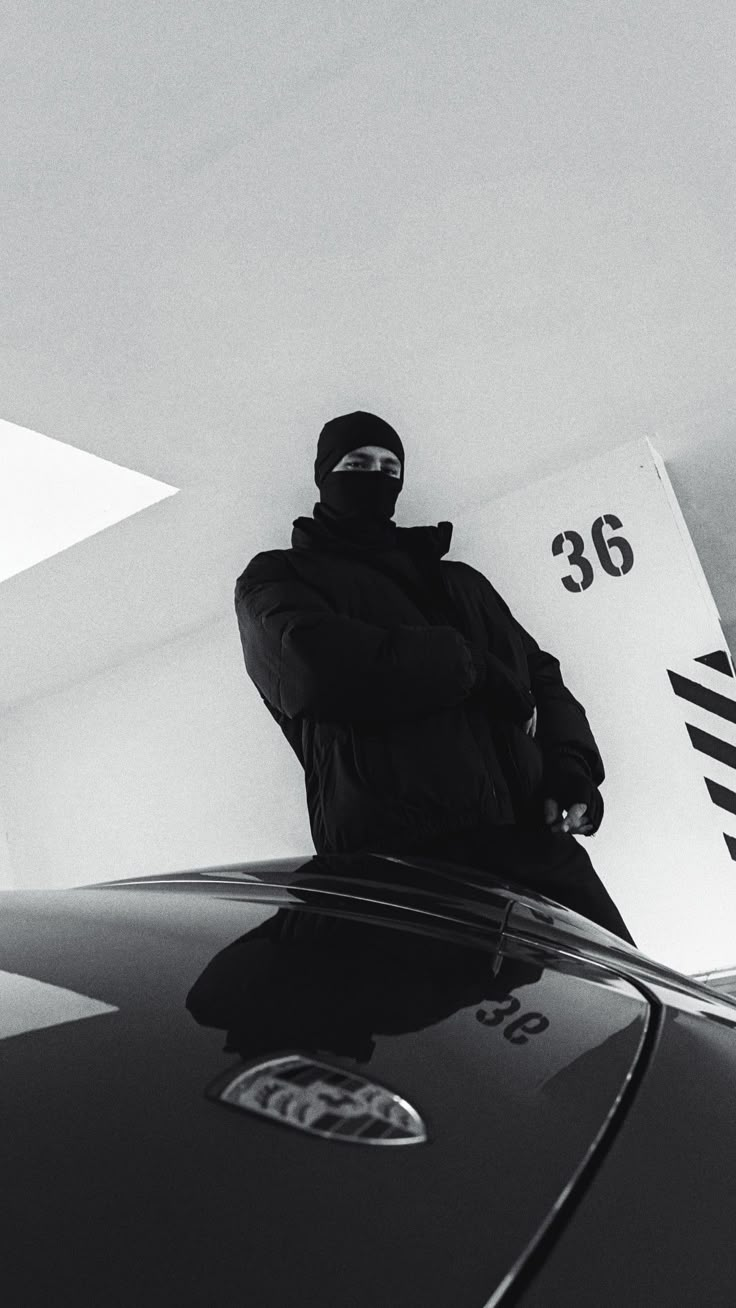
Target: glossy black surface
[130, 1186]
[656, 1227]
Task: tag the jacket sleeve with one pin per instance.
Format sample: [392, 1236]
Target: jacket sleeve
[563, 730]
[306, 659]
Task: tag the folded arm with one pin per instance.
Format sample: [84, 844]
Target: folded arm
[308, 660]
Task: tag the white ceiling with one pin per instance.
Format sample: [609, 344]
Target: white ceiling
[507, 228]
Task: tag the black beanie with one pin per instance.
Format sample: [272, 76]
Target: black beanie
[341, 435]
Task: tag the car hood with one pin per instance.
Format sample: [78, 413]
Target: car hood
[133, 1182]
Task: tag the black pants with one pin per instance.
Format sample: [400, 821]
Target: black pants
[555, 865]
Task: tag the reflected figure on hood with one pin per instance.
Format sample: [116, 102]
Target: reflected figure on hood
[425, 717]
[306, 981]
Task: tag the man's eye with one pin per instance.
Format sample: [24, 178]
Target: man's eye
[353, 464]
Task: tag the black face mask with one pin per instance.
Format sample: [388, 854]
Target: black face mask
[361, 494]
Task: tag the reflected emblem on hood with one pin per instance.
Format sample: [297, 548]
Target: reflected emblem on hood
[322, 1100]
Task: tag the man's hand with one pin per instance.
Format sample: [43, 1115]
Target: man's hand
[530, 727]
[574, 822]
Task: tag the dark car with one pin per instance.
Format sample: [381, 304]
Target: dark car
[356, 1081]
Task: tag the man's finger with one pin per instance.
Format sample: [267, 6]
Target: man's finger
[551, 810]
[553, 816]
[574, 819]
[575, 815]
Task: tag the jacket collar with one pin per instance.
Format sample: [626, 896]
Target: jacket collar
[430, 543]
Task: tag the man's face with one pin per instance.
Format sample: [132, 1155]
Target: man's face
[370, 458]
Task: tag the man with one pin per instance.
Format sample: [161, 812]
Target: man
[426, 719]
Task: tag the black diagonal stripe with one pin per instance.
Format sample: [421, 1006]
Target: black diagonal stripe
[712, 745]
[730, 844]
[718, 660]
[704, 698]
[721, 795]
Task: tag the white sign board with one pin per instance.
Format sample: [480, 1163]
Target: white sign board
[597, 564]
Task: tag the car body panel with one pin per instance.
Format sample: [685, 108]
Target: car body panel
[554, 1066]
[657, 1225]
[130, 1185]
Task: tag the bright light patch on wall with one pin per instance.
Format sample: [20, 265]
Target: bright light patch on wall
[53, 495]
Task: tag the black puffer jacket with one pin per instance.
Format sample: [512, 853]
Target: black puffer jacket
[403, 684]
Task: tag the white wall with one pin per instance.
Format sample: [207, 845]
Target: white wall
[167, 762]
[6, 875]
